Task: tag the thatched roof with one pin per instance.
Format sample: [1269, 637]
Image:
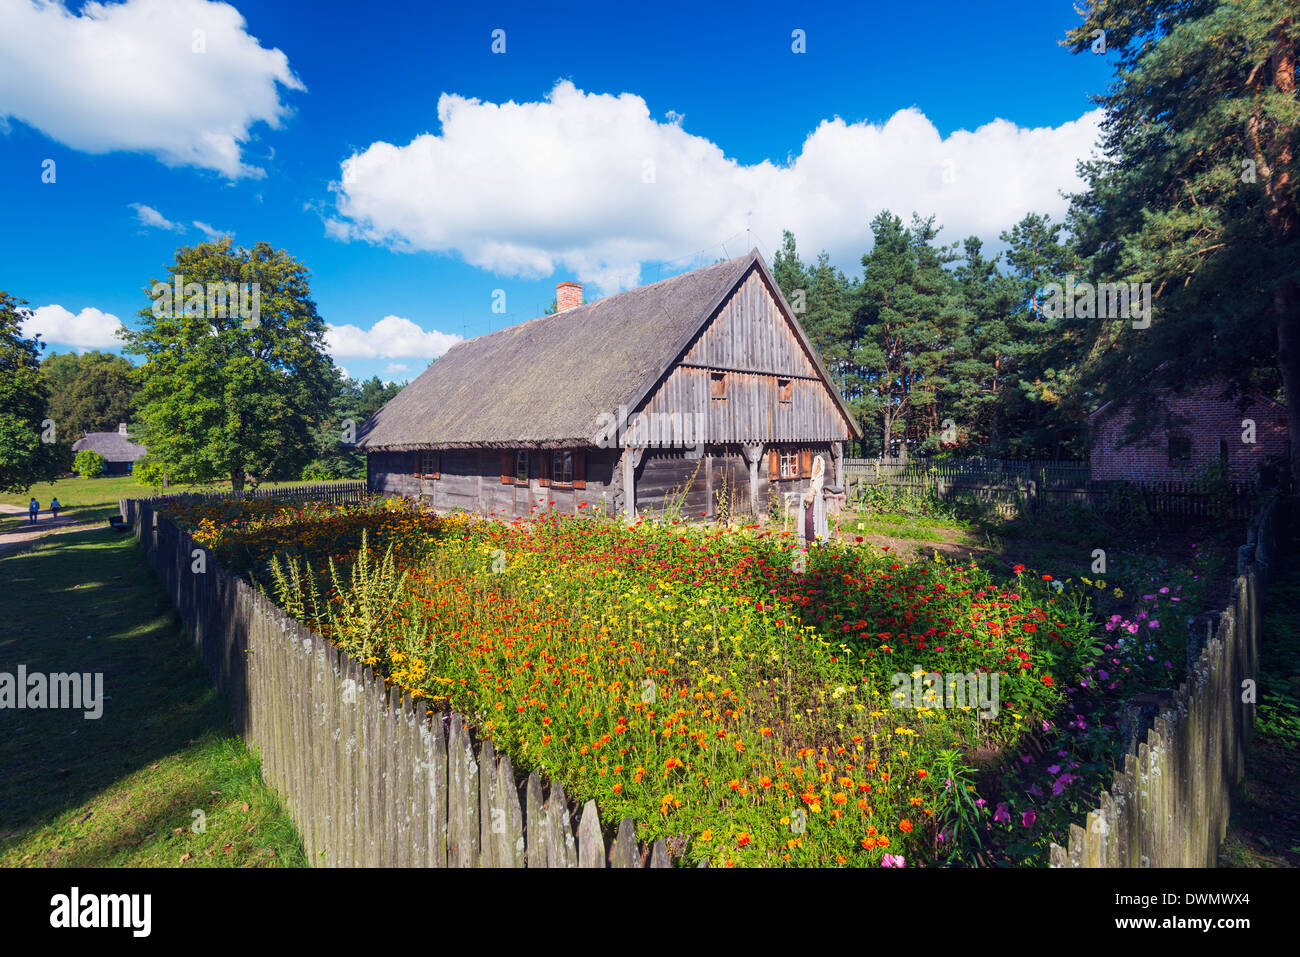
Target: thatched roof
[114, 446]
[546, 381]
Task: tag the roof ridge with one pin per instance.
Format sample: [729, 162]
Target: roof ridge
[606, 299]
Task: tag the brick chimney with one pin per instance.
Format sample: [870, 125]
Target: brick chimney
[568, 295]
[121, 428]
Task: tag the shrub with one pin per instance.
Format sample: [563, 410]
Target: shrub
[89, 464]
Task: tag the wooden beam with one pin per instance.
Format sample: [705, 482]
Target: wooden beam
[708, 485]
[753, 454]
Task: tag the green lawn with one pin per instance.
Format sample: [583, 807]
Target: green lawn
[121, 790]
[95, 499]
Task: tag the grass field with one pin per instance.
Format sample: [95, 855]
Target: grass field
[160, 779]
[94, 499]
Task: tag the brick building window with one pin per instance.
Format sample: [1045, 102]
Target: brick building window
[1180, 451]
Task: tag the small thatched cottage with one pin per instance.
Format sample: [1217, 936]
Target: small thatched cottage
[120, 453]
[700, 392]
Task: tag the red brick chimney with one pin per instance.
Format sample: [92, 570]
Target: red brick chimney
[568, 295]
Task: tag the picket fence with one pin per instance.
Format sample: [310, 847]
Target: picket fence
[316, 491]
[1169, 807]
[1051, 473]
[370, 777]
[1035, 488]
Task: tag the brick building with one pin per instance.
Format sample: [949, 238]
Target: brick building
[1214, 432]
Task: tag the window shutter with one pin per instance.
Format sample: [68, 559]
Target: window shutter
[545, 460]
[773, 464]
[805, 463]
[507, 468]
[580, 468]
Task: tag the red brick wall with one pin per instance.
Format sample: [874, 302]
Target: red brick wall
[1212, 420]
[568, 295]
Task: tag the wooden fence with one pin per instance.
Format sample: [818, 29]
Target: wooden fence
[370, 778]
[316, 491]
[1036, 488]
[1046, 473]
[1169, 806]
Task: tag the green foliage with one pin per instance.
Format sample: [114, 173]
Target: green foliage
[89, 464]
[1196, 195]
[92, 392]
[25, 458]
[352, 403]
[149, 471]
[939, 349]
[221, 397]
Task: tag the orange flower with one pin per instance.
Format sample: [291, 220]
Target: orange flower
[905, 825]
[742, 838]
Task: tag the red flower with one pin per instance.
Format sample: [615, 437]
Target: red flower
[1047, 680]
[742, 839]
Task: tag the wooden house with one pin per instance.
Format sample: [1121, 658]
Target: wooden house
[119, 452]
[699, 393]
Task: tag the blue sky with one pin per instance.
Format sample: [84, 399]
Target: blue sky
[416, 172]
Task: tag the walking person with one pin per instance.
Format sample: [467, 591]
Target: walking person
[54, 508]
[33, 510]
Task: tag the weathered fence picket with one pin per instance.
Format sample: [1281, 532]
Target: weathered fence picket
[371, 777]
[1169, 807]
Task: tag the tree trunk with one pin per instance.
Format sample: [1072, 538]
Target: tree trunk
[237, 481]
[1286, 306]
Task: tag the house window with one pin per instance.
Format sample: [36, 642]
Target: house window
[562, 467]
[789, 464]
[718, 385]
[1180, 451]
[521, 468]
[784, 390]
[430, 464]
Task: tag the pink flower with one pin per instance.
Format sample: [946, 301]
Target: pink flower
[1028, 818]
[893, 860]
[1001, 814]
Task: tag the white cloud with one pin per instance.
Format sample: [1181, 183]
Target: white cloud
[528, 188]
[211, 233]
[88, 329]
[125, 76]
[392, 337]
[148, 216]
[394, 368]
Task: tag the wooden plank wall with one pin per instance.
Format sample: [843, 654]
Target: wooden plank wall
[1169, 807]
[751, 341]
[369, 776]
[470, 479]
[663, 474]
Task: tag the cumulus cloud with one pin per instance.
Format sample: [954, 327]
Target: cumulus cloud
[392, 337]
[148, 216]
[88, 329]
[593, 185]
[129, 76]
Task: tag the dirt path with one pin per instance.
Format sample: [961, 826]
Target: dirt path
[46, 526]
[910, 549]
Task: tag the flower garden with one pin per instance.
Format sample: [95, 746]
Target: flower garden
[730, 695]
